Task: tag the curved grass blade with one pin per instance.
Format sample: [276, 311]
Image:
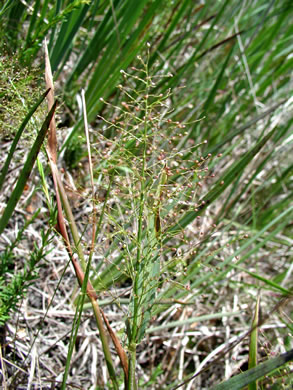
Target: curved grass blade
[240, 381]
[25, 173]
[268, 282]
[17, 137]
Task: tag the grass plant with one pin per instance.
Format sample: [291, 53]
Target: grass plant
[175, 206]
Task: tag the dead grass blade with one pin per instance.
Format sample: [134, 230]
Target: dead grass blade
[52, 138]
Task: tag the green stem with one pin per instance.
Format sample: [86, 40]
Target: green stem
[105, 344]
[132, 364]
[139, 260]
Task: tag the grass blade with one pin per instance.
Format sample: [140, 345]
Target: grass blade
[25, 173]
[238, 382]
[17, 137]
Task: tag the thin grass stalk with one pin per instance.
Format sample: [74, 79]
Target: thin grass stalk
[86, 129]
[252, 361]
[3, 371]
[75, 327]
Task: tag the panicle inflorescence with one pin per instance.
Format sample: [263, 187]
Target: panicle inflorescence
[141, 151]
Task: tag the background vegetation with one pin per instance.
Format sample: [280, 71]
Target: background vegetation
[180, 213]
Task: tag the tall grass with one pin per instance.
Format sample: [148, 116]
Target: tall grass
[189, 156]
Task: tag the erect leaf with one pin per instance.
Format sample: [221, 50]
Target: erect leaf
[252, 361]
[52, 138]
